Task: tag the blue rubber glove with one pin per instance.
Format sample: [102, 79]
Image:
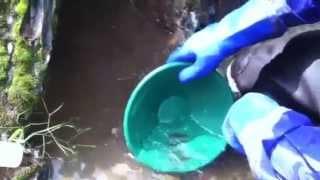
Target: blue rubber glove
[279, 143]
[255, 21]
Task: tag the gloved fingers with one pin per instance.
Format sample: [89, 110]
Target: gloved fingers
[200, 68]
[182, 54]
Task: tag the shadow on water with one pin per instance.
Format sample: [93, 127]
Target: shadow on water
[101, 51]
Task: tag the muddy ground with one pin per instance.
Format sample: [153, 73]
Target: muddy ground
[101, 51]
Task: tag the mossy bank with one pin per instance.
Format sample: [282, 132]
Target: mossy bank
[26, 34]
[23, 57]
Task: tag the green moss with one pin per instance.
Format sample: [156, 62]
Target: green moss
[22, 91]
[21, 7]
[39, 54]
[2, 48]
[5, 120]
[16, 28]
[4, 63]
[4, 10]
[26, 173]
[23, 53]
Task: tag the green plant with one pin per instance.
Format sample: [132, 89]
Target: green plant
[4, 63]
[21, 7]
[21, 92]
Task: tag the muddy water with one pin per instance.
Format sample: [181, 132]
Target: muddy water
[102, 50]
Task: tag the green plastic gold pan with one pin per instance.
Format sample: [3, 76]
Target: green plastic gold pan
[173, 127]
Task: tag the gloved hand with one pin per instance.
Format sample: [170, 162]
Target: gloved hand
[279, 143]
[255, 21]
